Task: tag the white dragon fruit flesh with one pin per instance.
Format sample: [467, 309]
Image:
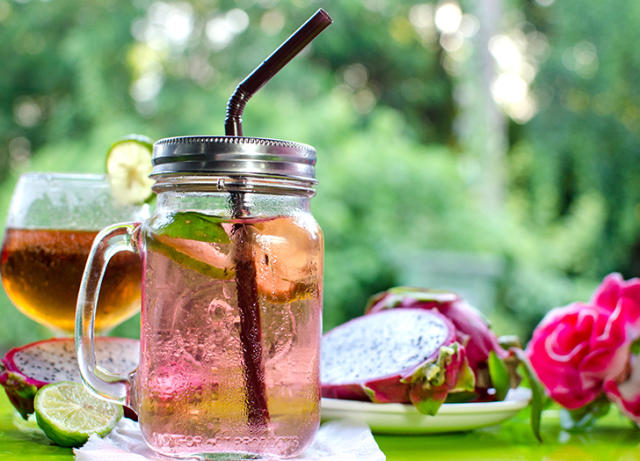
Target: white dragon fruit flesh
[467, 320]
[400, 355]
[26, 369]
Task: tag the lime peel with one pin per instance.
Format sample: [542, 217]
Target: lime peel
[68, 414]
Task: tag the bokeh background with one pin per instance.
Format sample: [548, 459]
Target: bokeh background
[491, 146]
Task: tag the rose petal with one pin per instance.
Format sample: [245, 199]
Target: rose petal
[576, 348]
[614, 290]
[608, 293]
[626, 394]
[630, 304]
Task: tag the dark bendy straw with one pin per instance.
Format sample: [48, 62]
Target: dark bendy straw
[270, 67]
[246, 283]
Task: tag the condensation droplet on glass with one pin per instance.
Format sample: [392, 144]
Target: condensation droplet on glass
[217, 309]
[227, 290]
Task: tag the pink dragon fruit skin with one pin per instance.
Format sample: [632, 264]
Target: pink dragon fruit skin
[428, 392]
[26, 369]
[408, 356]
[467, 320]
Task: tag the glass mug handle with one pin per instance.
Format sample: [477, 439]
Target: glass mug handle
[108, 384]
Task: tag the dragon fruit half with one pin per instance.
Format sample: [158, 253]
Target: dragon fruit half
[26, 369]
[471, 327]
[404, 355]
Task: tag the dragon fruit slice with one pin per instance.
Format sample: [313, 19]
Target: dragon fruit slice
[403, 356]
[26, 369]
[471, 327]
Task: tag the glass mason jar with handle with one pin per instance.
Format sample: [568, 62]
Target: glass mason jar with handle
[231, 300]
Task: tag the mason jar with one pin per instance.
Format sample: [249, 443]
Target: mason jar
[231, 300]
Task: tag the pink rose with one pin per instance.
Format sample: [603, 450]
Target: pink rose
[614, 292]
[625, 392]
[576, 348]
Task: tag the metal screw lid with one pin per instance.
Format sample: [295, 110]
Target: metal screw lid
[234, 156]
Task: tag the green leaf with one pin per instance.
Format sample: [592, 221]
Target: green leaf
[428, 406]
[499, 375]
[537, 393]
[428, 384]
[466, 381]
[461, 397]
[370, 393]
[583, 418]
[195, 226]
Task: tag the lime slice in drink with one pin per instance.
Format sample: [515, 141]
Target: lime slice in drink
[128, 169]
[68, 414]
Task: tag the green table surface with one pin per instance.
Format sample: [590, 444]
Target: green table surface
[613, 439]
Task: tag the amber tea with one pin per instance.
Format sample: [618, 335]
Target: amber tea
[42, 269]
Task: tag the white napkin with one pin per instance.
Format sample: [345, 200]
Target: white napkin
[335, 441]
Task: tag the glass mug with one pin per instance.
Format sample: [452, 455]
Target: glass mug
[52, 221]
[231, 300]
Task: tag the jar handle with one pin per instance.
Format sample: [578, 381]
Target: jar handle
[107, 384]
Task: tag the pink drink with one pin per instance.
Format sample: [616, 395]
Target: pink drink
[191, 393]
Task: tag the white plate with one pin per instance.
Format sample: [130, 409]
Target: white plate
[399, 418]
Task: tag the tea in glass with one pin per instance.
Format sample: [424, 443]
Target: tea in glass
[41, 273]
[53, 219]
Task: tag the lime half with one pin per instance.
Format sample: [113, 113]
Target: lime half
[129, 167]
[68, 414]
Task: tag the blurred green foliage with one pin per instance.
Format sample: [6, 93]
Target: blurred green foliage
[375, 96]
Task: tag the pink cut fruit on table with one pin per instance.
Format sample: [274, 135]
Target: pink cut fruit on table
[400, 355]
[471, 327]
[26, 369]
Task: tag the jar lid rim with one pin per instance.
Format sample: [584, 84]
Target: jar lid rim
[233, 155]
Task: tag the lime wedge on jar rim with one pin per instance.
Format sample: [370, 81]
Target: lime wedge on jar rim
[128, 169]
[68, 414]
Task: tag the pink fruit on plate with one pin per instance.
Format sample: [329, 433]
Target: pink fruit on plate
[26, 369]
[402, 355]
[471, 327]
